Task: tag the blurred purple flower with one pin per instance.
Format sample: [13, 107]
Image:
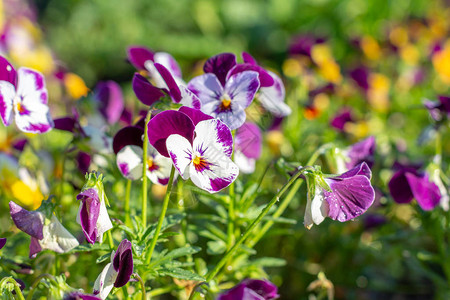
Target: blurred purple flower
[79, 296]
[341, 118]
[407, 183]
[251, 289]
[350, 195]
[110, 97]
[117, 273]
[439, 109]
[362, 151]
[24, 94]
[361, 76]
[248, 143]
[302, 44]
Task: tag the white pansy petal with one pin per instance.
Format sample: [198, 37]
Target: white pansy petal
[105, 281]
[242, 87]
[272, 97]
[169, 62]
[214, 135]
[217, 172]
[32, 84]
[188, 98]
[180, 151]
[319, 207]
[129, 162]
[246, 165]
[7, 94]
[103, 222]
[156, 78]
[207, 87]
[57, 238]
[160, 174]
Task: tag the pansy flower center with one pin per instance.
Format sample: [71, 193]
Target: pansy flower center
[151, 166]
[200, 163]
[225, 103]
[20, 108]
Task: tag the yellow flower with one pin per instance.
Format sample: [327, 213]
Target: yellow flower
[370, 48]
[75, 86]
[410, 54]
[441, 63]
[26, 195]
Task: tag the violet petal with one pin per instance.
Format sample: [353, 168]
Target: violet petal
[249, 140]
[31, 223]
[138, 55]
[196, 115]
[220, 65]
[145, 91]
[424, 191]
[174, 90]
[130, 135]
[111, 99]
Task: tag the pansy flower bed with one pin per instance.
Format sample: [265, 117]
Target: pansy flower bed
[293, 174]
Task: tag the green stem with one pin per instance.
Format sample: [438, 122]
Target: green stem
[110, 239]
[164, 290]
[127, 203]
[161, 216]
[438, 157]
[231, 214]
[11, 280]
[144, 170]
[252, 226]
[37, 281]
[144, 294]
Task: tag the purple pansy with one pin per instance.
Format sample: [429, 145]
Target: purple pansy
[407, 183]
[200, 147]
[362, 151]
[251, 289]
[361, 76]
[248, 147]
[117, 273]
[93, 215]
[303, 44]
[225, 97]
[109, 94]
[350, 195]
[79, 296]
[2, 242]
[45, 233]
[25, 94]
[439, 109]
[341, 118]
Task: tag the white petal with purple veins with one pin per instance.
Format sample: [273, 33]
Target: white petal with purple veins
[272, 97]
[246, 165]
[129, 162]
[214, 135]
[188, 98]
[32, 84]
[103, 222]
[7, 94]
[207, 87]
[105, 281]
[159, 172]
[242, 87]
[180, 151]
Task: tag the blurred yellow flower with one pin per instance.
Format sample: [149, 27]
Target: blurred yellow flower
[410, 54]
[398, 36]
[30, 197]
[75, 86]
[441, 63]
[378, 93]
[370, 48]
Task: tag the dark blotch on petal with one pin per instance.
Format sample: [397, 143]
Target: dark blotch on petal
[264, 77]
[130, 135]
[145, 91]
[220, 65]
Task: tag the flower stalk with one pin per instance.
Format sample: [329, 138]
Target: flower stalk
[144, 170]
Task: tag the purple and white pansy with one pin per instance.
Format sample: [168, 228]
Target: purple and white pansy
[223, 94]
[46, 231]
[92, 213]
[117, 273]
[248, 147]
[200, 147]
[23, 93]
[347, 196]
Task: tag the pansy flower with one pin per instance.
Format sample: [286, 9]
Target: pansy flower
[92, 213]
[408, 183]
[346, 196]
[45, 230]
[24, 94]
[200, 147]
[117, 273]
[224, 91]
[251, 289]
[110, 98]
[343, 117]
[79, 296]
[2, 242]
[248, 147]
[362, 151]
[439, 110]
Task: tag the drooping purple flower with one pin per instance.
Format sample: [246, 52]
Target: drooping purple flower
[93, 215]
[350, 195]
[201, 153]
[24, 94]
[228, 101]
[79, 296]
[407, 183]
[45, 233]
[117, 273]
[251, 289]
[341, 118]
[248, 142]
[439, 109]
[110, 96]
[2, 242]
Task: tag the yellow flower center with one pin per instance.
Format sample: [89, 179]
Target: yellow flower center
[226, 103]
[200, 163]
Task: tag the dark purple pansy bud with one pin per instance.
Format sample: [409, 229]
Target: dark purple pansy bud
[167, 123]
[130, 135]
[303, 44]
[2, 242]
[138, 55]
[146, 92]
[220, 65]
[110, 96]
[79, 296]
[126, 116]
[373, 221]
[123, 263]
[83, 161]
[65, 123]
[407, 184]
[251, 289]
[7, 71]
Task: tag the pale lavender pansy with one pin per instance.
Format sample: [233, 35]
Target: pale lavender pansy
[350, 195]
[251, 289]
[407, 183]
[24, 94]
[248, 143]
[117, 273]
[226, 102]
[2, 242]
[207, 159]
[93, 215]
[45, 233]
[110, 97]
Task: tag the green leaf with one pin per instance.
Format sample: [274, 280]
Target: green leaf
[88, 248]
[216, 247]
[280, 220]
[128, 231]
[103, 258]
[169, 221]
[181, 274]
[179, 252]
[268, 262]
